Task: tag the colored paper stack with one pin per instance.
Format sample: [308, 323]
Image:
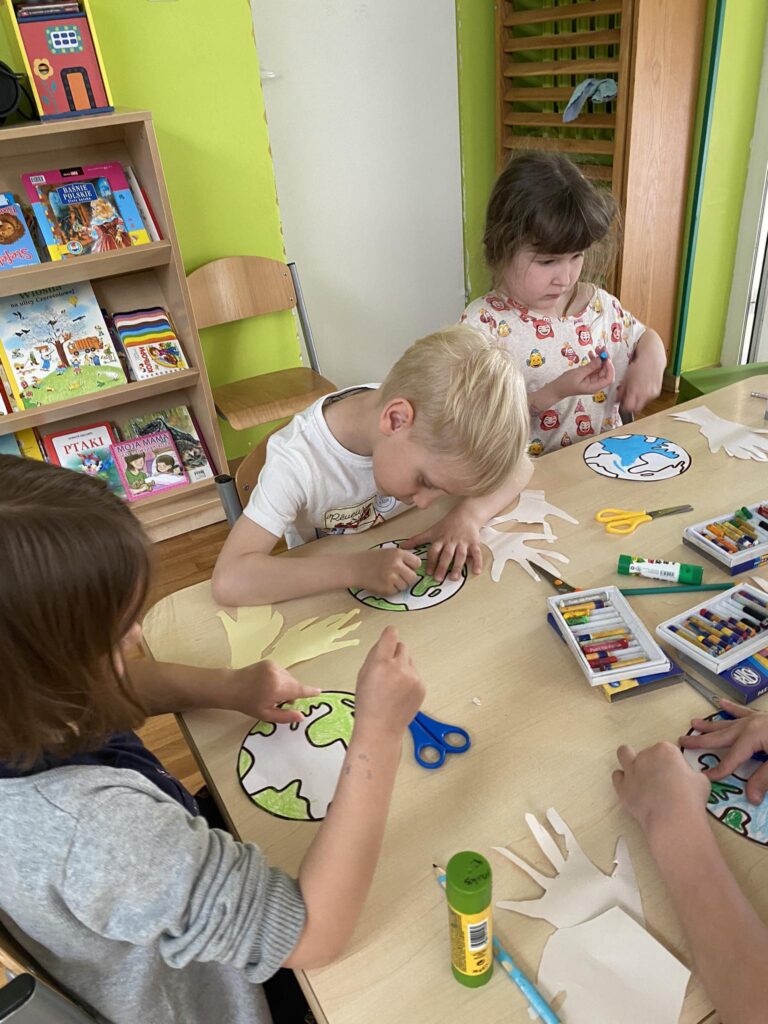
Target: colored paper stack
[150, 342]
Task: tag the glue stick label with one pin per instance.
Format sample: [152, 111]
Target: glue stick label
[653, 569]
[471, 936]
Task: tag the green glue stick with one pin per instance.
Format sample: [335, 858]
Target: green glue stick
[468, 891]
[656, 569]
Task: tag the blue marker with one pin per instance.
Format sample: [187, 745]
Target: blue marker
[603, 355]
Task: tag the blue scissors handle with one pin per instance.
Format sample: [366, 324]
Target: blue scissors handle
[436, 740]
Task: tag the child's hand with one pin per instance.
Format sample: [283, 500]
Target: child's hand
[263, 686]
[385, 571]
[389, 689]
[746, 735]
[658, 786]
[643, 379]
[453, 539]
[594, 376]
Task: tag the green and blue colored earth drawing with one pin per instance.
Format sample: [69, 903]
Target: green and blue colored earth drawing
[426, 592]
[636, 457]
[728, 801]
[291, 770]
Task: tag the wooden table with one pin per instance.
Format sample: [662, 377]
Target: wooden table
[541, 737]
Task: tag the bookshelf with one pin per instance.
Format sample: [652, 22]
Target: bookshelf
[146, 275]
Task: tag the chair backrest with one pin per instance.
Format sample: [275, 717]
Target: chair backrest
[247, 473]
[237, 287]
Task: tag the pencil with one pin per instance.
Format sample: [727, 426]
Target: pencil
[536, 1000]
[682, 589]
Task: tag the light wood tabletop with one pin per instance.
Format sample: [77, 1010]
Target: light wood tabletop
[541, 737]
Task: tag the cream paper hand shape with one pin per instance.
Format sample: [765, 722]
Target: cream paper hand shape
[579, 891]
[533, 508]
[256, 628]
[737, 439]
[511, 547]
[313, 637]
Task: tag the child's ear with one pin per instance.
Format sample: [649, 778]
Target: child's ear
[395, 415]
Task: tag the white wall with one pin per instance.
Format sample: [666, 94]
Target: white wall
[364, 126]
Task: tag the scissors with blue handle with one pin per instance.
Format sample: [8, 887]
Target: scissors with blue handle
[436, 740]
[623, 521]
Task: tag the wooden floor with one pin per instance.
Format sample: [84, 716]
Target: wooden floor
[182, 561]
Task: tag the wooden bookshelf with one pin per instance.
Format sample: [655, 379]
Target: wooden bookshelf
[142, 276]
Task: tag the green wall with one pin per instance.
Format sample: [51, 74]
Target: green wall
[475, 36]
[193, 63]
[733, 119]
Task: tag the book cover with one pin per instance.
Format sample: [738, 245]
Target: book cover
[142, 203]
[86, 450]
[150, 342]
[148, 465]
[55, 345]
[9, 445]
[83, 210]
[29, 444]
[7, 399]
[180, 424]
[17, 248]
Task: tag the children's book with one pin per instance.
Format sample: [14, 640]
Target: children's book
[143, 205]
[7, 398]
[150, 342]
[148, 465]
[17, 248]
[84, 210]
[29, 444]
[181, 425]
[9, 445]
[86, 450]
[55, 345]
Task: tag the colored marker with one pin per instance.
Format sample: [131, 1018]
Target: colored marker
[620, 664]
[605, 645]
[536, 1001]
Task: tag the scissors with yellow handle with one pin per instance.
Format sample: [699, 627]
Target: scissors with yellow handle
[624, 521]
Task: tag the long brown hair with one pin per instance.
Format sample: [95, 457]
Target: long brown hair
[541, 200]
[74, 570]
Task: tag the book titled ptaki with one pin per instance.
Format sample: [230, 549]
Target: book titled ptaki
[86, 450]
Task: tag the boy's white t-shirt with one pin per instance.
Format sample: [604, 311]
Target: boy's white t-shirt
[312, 486]
[545, 346]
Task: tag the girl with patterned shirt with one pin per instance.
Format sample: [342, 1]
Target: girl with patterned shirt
[581, 354]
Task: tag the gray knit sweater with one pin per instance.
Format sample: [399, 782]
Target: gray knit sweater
[142, 911]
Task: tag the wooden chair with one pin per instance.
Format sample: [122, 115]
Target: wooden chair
[235, 491]
[237, 287]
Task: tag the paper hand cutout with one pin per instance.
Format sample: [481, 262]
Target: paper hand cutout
[251, 633]
[313, 637]
[612, 970]
[533, 508]
[580, 891]
[255, 629]
[737, 439]
[511, 547]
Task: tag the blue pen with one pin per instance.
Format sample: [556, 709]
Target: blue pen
[535, 999]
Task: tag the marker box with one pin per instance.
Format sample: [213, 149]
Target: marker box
[724, 607]
[613, 616]
[733, 561]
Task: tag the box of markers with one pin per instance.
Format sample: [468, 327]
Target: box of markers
[721, 633]
[608, 640]
[737, 541]
[743, 682]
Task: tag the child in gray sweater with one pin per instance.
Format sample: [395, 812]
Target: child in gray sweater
[112, 879]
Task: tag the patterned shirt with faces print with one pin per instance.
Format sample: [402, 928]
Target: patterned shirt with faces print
[545, 346]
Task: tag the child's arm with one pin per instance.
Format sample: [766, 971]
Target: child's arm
[456, 537]
[594, 376]
[728, 939]
[246, 573]
[337, 870]
[645, 373]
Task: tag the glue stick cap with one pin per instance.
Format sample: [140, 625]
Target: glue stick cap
[468, 882]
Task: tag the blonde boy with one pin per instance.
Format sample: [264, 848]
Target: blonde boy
[450, 418]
